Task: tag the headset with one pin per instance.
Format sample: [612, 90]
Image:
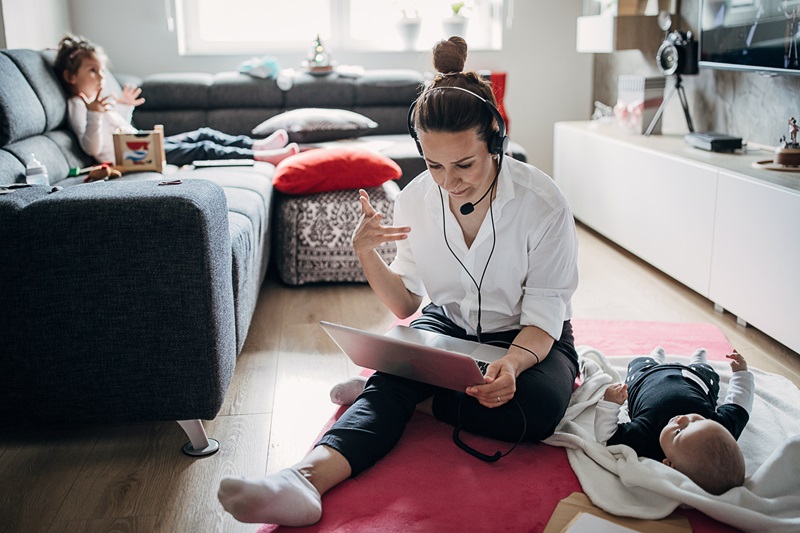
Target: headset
[497, 145]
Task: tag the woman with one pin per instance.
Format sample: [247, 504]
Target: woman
[493, 245]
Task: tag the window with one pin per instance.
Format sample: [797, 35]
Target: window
[264, 26]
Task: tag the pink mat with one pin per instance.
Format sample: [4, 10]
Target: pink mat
[427, 484]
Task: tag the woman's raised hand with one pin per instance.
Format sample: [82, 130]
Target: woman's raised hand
[369, 233]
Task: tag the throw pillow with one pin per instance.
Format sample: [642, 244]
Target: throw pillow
[313, 124]
[333, 169]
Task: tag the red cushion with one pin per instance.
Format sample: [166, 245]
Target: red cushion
[333, 169]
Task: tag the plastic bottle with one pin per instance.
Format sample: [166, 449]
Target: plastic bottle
[36, 173]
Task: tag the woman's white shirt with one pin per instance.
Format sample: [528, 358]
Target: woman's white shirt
[532, 273]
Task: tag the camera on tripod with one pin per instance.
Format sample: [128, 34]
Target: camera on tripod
[678, 54]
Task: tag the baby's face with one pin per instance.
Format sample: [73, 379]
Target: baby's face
[681, 432]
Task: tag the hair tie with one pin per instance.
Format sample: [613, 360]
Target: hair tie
[74, 53]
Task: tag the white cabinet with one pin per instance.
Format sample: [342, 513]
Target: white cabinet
[658, 207]
[725, 230]
[755, 269]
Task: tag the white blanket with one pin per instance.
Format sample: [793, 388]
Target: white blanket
[619, 482]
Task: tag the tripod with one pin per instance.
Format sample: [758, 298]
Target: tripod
[682, 95]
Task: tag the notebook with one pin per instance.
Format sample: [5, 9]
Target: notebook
[417, 354]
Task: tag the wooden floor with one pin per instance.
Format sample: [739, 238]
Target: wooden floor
[134, 477]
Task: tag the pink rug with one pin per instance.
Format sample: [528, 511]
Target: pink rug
[427, 484]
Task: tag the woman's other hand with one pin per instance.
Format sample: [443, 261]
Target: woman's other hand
[369, 233]
[500, 386]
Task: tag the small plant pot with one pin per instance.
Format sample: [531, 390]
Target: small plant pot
[456, 25]
[408, 28]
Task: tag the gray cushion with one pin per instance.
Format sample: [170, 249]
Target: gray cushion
[232, 89]
[11, 171]
[331, 90]
[21, 112]
[381, 87]
[48, 89]
[176, 91]
[314, 124]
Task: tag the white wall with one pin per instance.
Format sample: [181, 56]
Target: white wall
[547, 80]
[33, 24]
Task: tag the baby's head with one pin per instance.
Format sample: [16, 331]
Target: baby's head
[704, 451]
[80, 65]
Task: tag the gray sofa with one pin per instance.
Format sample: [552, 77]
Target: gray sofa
[129, 300]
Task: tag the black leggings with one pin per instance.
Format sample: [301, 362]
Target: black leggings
[371, 427]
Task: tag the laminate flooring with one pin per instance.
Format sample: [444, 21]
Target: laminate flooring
[132, 478]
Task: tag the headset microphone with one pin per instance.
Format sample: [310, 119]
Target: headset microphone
[469, 207]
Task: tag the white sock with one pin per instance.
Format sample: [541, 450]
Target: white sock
[699, 356]
[276, 156]
[277, 139]
[346, 392]
[659, 355]
[285, 498]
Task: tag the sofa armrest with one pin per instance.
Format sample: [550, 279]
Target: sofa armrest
[125, 305]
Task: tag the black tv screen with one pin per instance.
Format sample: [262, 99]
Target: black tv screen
[758, 35]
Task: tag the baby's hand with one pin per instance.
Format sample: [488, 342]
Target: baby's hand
[738, 362]
[130, 96]
[616, 393]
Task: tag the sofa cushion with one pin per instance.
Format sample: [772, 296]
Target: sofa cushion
[330, 90]
[333, 169]
[21, 112]
[232, 90]
[39, 74]
[313, 124]
[176, 91]
[388, 87]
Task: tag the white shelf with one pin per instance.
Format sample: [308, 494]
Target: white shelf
[609, 33]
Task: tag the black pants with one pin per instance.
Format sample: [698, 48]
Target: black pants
[371, 427]
[206, 143]
[643, 366]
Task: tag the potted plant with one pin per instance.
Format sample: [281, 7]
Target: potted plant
[456, 24]
[408, 27]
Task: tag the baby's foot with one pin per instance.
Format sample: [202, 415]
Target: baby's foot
[659, 355]
[278, 139]
[346, 392]
[285, 498]
[699, 356]
[276, 156]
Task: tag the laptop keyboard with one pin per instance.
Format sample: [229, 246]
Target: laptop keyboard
[482, 366]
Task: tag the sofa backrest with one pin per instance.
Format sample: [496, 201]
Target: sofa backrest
[236, 103]
[33, 112]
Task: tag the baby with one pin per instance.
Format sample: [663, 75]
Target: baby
[674, 417]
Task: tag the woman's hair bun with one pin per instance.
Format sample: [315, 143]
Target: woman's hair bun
[449, 56]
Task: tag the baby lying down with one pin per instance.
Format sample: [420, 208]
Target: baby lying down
[674, 417]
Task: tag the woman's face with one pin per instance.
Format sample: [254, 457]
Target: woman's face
[88, 79]
[459, 163]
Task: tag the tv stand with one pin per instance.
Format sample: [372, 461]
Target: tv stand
[709, 220]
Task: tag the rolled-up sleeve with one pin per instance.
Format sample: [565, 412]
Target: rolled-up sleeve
[552, 275]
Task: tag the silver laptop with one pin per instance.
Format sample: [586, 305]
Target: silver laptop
[417, 354]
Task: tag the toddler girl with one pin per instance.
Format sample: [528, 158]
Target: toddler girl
[94, 116]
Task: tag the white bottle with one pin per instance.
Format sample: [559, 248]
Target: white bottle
[36, 173]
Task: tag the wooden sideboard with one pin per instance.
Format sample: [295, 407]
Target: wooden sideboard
[711, 221]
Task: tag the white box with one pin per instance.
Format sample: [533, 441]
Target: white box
[638, 99]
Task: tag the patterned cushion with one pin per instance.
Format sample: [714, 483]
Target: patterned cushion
[312, 234]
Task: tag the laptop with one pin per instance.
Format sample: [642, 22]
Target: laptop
[417, 354]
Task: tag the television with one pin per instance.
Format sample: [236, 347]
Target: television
[753, 35]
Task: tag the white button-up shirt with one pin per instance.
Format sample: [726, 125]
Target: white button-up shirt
[532, 272]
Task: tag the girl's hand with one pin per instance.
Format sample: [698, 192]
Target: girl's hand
[500, 386]
[130, 96]
[738, 362]
[369, 233]
[616, 393]
[99, 105]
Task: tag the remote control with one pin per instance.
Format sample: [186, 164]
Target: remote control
[202, 163]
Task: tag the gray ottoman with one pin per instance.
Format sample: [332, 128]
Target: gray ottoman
[312, 234]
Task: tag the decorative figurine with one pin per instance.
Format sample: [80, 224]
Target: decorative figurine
[788, 153]
[319, 59]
